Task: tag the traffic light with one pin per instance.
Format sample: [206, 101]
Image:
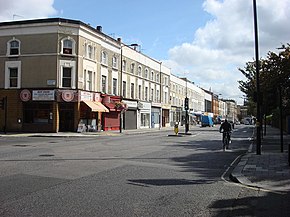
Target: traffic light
[2, 103]
[186, 107]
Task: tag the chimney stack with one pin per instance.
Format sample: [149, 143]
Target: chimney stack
[99, 28]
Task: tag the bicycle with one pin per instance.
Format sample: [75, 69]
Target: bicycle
[226, 140]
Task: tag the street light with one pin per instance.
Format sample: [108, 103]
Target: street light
[281, 109]
[121, 79]
[160, 100]
[258, 121]
[186, 107]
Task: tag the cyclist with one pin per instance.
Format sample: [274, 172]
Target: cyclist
[226, 128]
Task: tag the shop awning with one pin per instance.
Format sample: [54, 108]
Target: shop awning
[96, 106]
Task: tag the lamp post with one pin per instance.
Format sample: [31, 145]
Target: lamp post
[121, 80]
[160, 100]
[281, 110]
[281, 118]
[186, 106]
[258, 121]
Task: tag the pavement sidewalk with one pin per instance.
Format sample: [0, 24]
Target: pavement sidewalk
[90, 134]
[169, 130]
[270, 170]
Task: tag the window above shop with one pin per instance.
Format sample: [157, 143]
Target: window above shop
[66, 77]
[67, 74]
[104, 58]
[152, 76]
[12, 74]
[124, 66]
[90, 52]
[13, 47]
[104, 84]
[132, 68]
[139, 71]
[115, 62]
[146, 73]
[68, 46]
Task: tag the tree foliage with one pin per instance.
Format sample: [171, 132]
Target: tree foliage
[274, 77]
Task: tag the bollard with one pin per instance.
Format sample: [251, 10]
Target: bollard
[176, 129]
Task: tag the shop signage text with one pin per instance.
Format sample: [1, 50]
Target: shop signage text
[43, 95]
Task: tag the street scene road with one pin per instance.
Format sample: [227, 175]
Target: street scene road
[145, 174]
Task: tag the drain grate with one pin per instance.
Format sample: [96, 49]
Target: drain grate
[46, 155]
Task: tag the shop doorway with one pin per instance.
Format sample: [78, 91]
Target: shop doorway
[66, 117]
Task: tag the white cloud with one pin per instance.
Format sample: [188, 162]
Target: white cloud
[226, 43]
[25, 9]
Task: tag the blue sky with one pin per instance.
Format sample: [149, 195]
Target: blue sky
[204, 40]
[155, 25]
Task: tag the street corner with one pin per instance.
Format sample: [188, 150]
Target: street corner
[237, 173]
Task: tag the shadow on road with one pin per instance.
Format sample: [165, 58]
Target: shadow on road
[271, 204]
[166, 182]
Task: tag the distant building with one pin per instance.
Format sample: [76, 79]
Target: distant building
[231, 112]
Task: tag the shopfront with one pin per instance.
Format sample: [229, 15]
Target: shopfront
[91, 110]
[155, 115]
[130, 115]
[175, 115]
[111, 119]
[145, 114]
[165, 117]
[61, 110]
[38, 110]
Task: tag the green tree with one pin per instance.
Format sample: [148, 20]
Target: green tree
[274, 77]
[248, 86]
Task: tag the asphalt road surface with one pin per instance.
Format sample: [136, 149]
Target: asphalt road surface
[149, 174]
